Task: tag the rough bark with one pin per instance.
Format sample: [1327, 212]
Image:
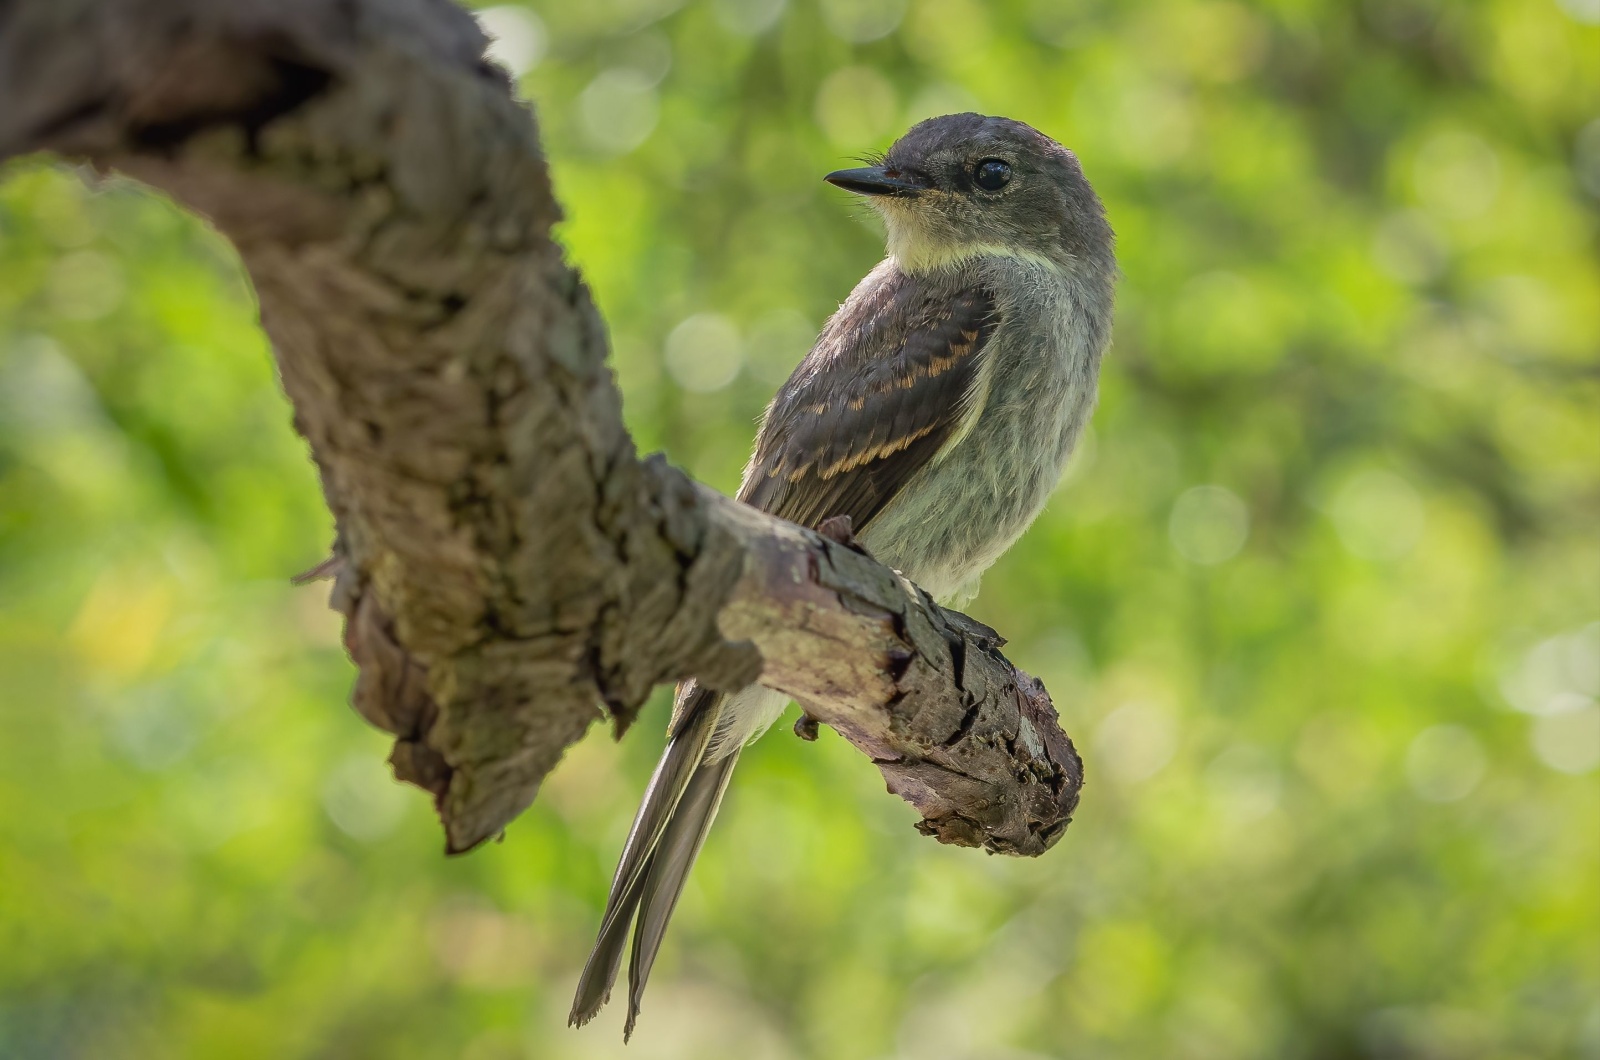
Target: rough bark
[507, 565]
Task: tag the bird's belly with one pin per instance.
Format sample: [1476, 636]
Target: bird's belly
[957, 516]
[946, 533]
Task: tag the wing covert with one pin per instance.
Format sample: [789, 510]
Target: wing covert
[888, 383]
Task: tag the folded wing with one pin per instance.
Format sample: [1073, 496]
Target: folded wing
[889, 383]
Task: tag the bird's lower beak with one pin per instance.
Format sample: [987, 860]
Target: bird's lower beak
[876, 180]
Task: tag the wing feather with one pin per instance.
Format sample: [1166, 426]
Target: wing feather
[887, 385]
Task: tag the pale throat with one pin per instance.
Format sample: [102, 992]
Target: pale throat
[916, 250]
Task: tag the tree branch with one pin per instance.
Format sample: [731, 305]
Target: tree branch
[506, 563]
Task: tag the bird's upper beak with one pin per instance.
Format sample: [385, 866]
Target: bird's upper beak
[877, 180]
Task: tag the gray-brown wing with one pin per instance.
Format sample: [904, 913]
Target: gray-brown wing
[880, 394]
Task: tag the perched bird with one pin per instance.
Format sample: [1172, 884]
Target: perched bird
[936, 410]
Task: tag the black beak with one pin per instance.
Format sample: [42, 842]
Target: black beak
[876, 180]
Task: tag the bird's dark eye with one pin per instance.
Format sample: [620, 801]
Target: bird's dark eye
[991, 174]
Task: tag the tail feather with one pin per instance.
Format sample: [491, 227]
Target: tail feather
[670, 863]
[680, 765]
[594, 986]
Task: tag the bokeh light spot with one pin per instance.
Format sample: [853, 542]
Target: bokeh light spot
[362, 799]
[945, 32]
[1560, 666]
[748, 17]
[939, 98]
[856, 106]
[1136, 741]
[1444, 763]
[153, 726]
[1378, 515]
[859, 21]
[517, 37]
[1568, 739]
[1584, 11]
[704, 353]
[618, 109]
[1209, 525]
[778, 340]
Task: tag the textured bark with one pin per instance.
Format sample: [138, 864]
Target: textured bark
[510, 571]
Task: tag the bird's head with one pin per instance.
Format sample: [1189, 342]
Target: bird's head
[964, 185]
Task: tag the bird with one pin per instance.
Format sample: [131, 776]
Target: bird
[936, 411]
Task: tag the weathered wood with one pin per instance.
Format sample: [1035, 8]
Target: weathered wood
[510, 571]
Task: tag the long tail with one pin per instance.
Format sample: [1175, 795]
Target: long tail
[667, 833]
[669, 868]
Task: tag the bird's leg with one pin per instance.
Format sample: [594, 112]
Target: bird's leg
[839, 530]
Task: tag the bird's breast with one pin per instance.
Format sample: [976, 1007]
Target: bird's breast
[962, 511]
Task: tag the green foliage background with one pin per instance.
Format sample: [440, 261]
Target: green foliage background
[1319, 599]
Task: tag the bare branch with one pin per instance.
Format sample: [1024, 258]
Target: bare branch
[507, 564]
